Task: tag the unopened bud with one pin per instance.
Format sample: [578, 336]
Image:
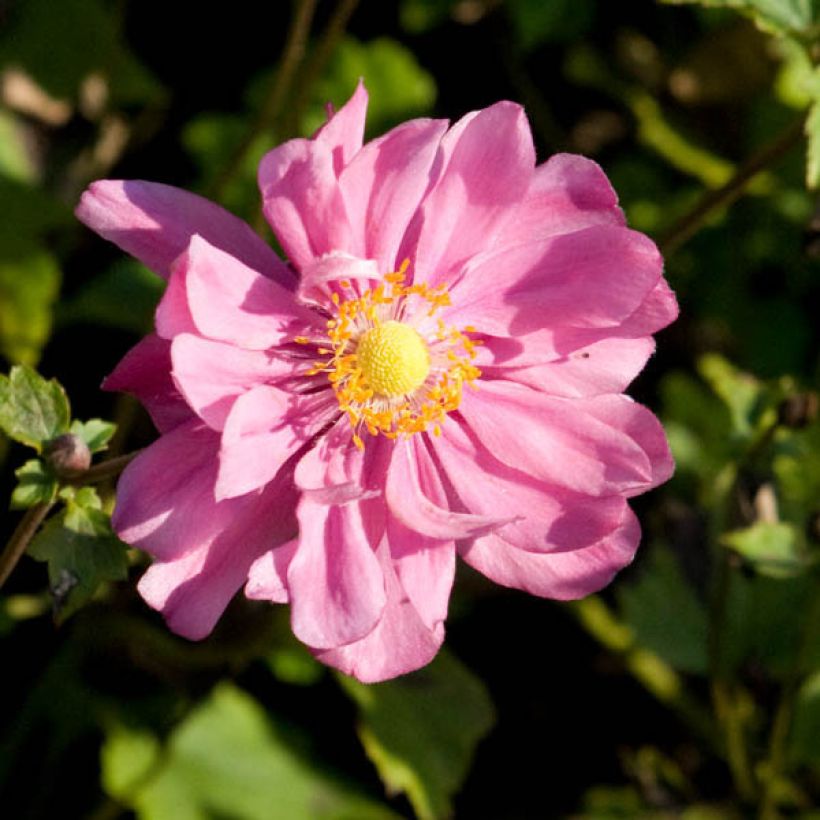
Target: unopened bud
[799, 410]
[68, 455]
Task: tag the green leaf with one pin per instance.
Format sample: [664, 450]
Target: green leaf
[805, 737]
[535, 21]
[15, 160]
[36, 485]
[225, 760]
[32, 410]
[96, 433]
[772, 548]
[81, 550]
[28, 290]
[812, 128]
[797, 17]
[421, 730]
[665, 613]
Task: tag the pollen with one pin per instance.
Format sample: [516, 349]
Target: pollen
[394, 368]
[393, 359]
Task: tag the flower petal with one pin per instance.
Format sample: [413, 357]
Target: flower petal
[595, 278]
[384, 183]
[546, 517]
[567, 193]
[268, 574]
[416, 497]
[321, 278]
[211, 375]
[155, 223]
[145, 372]
[484, 166]
[343, 133]
[335, 580]
[573, 443]
[264, 428]
[192, 591]
[561, 575]
[400, 643]
[231, 302]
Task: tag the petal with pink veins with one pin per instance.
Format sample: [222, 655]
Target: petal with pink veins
[336, 583]
[560, 575]
[145, 372]
[155, 223]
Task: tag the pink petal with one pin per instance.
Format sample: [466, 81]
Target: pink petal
[569, 442]
[211, 375]
[145, 372]
[400, 643]
[268, 574]
[173, 315]
[335, 580]
[545, 517]
[155, 223]
[230, 302]
[416, 497]
[321, 277]
[165, 496]
[384, 183]
[264, 428]
[561, 575]
[303, 203]
[484, 166]
[567, 193]
[597, 277]
[607, 366]
[192, 591]
[343, 133]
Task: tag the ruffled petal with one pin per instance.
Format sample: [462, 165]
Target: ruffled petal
[593, 278]
[268, 574]
[211, 375]
[543, 517]
[400, 643]
[483, 168]
[145, 372]
[264, 428]
[322, 277]
[336, 583]
[567, 193]
[560, 575]
[383, 186]
[343, 133]
[155, 223]
[581, 444]
[192, 591]
[231, 302]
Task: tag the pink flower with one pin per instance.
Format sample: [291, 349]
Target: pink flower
[438, 370]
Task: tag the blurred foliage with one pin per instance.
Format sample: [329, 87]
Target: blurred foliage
[658, 699]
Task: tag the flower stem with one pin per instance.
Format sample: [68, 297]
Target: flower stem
[34, 516]
[690, 223]
[272, 106]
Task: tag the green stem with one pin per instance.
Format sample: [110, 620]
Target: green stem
[271, 108]
[690, 223]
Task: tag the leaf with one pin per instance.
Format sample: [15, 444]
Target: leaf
[81, 550]
[28, 290]
[797, 17]
[225, 760]
[32, 410]
[535, 21]
[96, 433]
[421, 730]
[36, 485]
[772, 548]
[805, 737]
[812, 128]
[665, 614]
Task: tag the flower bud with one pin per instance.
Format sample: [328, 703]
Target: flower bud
[68, 455]
[798, 411]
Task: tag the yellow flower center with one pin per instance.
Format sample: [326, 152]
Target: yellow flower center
[395, 369]
[393, 359]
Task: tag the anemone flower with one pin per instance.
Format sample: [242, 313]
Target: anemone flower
[437, 369]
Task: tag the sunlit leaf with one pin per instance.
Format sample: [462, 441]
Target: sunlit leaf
[226, 760]
[36, 484]
[773, 549]
[81, 550]
[777, 16]
[421, 730]
[96, 433]
[32, 410]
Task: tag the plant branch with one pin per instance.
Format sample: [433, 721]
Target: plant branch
[690, 223]
[104, 470]
[20, 538]
[268, 114]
